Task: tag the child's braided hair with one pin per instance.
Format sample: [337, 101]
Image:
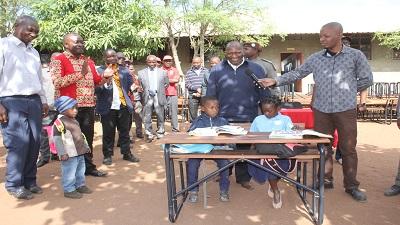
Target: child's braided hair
[273, 100]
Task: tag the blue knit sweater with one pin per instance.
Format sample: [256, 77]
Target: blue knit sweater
[236, 92]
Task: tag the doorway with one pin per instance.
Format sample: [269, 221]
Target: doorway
[290, 61]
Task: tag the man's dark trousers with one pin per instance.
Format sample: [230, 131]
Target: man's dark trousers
[21, 137]
[116, 119]
[85, 119]
[346, 125]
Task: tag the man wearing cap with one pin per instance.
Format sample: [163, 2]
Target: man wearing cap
[153, 81]
[193, 80]
[75, 75]
[252, 52]
[172, 91]
[22, 105]
[115, 108]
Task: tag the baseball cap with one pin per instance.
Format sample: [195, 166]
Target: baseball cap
[254, 45]
[167, 57]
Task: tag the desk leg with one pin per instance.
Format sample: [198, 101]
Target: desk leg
[314, 185]
[168, 178]
[305, 179]
[322, 149]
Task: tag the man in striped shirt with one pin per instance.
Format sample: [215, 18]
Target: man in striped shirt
[193, 80]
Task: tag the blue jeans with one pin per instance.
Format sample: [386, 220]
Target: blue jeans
[193, 172]
[73, 173]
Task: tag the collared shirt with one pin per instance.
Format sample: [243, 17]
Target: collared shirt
[152, 73]
[66, 70]
[337, 78]
[234, 67]
[173, 74]
[20, 69]
[194, 80]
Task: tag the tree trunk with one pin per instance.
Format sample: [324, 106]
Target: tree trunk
[203, 29]
[172, 44]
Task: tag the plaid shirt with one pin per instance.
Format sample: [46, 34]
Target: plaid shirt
[337, 78]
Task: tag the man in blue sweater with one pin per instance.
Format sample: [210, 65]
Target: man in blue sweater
[237, 94]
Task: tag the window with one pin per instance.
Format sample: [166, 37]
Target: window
[362, 42]
[396, 54]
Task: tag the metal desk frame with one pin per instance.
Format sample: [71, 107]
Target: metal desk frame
[315, 209]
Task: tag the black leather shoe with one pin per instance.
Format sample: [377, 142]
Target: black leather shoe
[392, 191]
[130, 157]
[140, 136]
[35, 189]
[21, 193]
[41, 162]
[96, 173]
[357, 194]
[107, 161]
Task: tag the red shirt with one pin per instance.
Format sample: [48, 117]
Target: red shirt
[172, 73]
[68, 81]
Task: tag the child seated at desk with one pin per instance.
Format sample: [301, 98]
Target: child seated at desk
[271, 120]
[208, 118]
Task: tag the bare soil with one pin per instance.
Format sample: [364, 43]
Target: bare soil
[136, 193]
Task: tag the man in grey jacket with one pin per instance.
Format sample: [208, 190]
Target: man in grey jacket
[153, 80]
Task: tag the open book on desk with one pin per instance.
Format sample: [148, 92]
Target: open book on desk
[298, 134]
[215, 131]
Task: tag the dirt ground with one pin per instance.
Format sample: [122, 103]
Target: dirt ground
[135, 194]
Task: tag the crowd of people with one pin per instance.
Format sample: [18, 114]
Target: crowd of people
[224, 94]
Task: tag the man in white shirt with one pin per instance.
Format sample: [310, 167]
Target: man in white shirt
[22, 105]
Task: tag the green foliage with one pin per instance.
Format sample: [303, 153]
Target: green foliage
[391, 40]
[126, 26]
[211, 22]
[9, 10]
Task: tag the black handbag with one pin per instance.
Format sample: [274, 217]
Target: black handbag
[280, 150]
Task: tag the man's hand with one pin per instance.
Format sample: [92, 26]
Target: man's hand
[45, 110]
[267, 82]
[85, 68]
[3, 114]
[64, 157]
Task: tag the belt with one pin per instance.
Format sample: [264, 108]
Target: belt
[21, 96]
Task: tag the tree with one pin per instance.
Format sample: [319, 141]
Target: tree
[168, 15]
[390, 39]
[9, 10]
[210, 21]
[207, 22]
[124, 25]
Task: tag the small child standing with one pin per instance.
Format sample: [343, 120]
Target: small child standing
[271, 120]
[208, 118]
[71, 145]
